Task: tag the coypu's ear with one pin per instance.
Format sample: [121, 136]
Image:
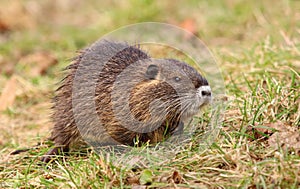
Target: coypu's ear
[151, 72]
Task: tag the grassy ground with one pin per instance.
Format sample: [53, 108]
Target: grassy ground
[257, 45]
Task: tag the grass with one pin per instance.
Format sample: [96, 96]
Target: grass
[257, 47]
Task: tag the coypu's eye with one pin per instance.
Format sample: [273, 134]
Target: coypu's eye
[177, 79]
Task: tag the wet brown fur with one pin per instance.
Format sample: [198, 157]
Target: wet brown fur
[65, 132]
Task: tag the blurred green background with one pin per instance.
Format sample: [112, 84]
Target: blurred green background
[256, 44]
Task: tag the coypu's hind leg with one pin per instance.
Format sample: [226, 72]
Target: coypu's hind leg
[54, 151]
[61, 144]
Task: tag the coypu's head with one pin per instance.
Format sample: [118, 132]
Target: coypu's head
[185, 89]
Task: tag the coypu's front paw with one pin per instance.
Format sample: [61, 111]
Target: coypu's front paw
[179, 129]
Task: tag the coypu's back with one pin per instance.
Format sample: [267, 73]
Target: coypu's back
[65, 130]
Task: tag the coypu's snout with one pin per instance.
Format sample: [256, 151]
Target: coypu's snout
[204, 94]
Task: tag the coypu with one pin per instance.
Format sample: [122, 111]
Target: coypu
[135, 97]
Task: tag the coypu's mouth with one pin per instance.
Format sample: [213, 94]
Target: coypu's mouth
[195, 105]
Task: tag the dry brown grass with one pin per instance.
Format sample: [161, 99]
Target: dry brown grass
[258, 49]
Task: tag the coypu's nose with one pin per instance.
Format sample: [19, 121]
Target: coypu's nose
[204, 91]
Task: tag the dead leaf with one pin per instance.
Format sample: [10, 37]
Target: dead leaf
[286, 136]
[38, 62]
[133, 180]
[14, 15]
[139, 187]
[48, 176]
[176, 178]
[9, 93]
[280, 134]
[189, 24]
[6, 67]
[3, 26]
[268, 129]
